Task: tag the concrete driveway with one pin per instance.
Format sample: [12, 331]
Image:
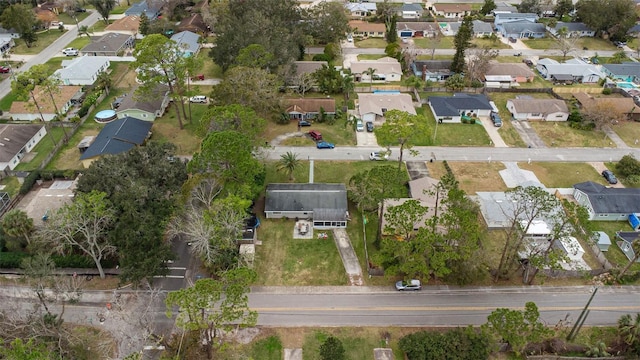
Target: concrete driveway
[600, 167]
[365, 138]
[496, 139]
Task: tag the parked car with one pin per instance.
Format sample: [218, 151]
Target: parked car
[304, 123]
[324, 145]
[81, 10]
[116, 103]
[359, 126]
[495, 117]
[378, 156]
[70, 52]
[410, 285]
[517, 54]
[370, 126]
[5, 69]
[201, 99]
[315, 135]
[610, 177]
[512, 40]
[528, 62]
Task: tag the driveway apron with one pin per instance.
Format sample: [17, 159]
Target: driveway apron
[349, 258]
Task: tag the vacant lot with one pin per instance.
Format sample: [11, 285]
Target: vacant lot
[562, 175]
[448, 134]
[472, 176]
[371, 43]
[629, 131]
[552, 43]
[556, 134]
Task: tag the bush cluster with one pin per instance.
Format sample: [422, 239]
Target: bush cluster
[458, 344]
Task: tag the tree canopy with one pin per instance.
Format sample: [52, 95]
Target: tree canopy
[461, 42]
[21, 18]
[399, 128]
[254, 88]
[614, 17]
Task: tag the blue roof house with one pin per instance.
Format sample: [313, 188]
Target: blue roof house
[450, 109]
[117, 137]
[627, 71]
[188, 41]
[522, 29]
[150, 8]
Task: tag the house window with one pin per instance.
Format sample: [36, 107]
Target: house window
[536, 114]
[603, 215]
[276, 213]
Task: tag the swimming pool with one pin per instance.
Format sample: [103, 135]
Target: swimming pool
[626, 85]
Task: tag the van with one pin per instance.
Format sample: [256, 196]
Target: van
[198, 99]
[315, 135]
[495, 117]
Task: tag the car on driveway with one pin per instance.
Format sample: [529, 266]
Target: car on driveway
[304, 123]
[378, 156]
[411, 285]
[324, 145]
[512, 40]
[70, 52]
[370, 126]
[315, 135]
[359, 126]
[610, 177]
[200, 99]
[5, 69]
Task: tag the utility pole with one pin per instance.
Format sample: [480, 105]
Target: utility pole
[581, 319]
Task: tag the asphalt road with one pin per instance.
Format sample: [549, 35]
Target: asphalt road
[358, 153]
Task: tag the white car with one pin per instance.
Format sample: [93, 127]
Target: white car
[378, 156]
[198, 99]
[359, 126]
[70, 52]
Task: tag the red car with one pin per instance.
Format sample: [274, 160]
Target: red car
[5, 69]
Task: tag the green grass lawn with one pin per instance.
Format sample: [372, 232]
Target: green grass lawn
[44, 40]
[449, 134]
[551, 43]
[563, 175]
[338, 133]
[42, 150]
[481, 43]
[371, 43]
[80, 42]
[629, 131]
[209, 68]
[444, 42]
[167, 129]
[100, 25]
[11, 185]
[5, 102]
[68, 20]
[615, 255]
[370, 56]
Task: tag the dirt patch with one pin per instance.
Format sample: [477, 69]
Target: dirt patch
[478, 176]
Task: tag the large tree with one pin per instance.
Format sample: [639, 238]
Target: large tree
[275, 24]
[479, 60]
[17, 224]
[399, 128]
[103, 7]
[82, 225]
[563, 7]
[614, 17]
[530, 6]
[233, 117]
[602, 114]
[461, 41]
[22, 18]
[488, 7]
[326, 22]
[251, 87]
[369, 187]
[212, 305]
[160, 62]
[518, 327]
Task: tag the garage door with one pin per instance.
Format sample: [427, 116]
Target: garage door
[405, 34]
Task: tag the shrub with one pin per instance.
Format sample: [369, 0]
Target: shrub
[321, 57]
[606, 91]
[628, 166]
[460, 343]
[72, 261]
[83, 110]
[11, 260]
[29, 181]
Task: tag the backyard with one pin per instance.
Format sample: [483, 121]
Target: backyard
[563, 175]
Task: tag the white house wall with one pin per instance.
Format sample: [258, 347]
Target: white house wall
[557, 116]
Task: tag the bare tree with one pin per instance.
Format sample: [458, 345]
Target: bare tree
[566, 41]
[303, 83]
[434, 43]
[602, 113]
[479, 60]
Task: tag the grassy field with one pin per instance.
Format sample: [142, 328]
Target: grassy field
[629, 131]
[588, 42]
[449, 134]
[209, 68]
[556, 134]
[79, 42]
[166, 129]
[472, 176]
[11, 185]
[429, 43]
[563, 175]
[371, 43]
[615, 255]
[338, 134]
[370, 56]
[44, 40]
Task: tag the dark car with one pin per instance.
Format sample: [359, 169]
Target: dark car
[304, 123]
[315, 135]
[512, 40]
[5, 69]
[81, 10]
[610, 177]
[370, 126]
[528, 62]
[324, 145]
[495, 118]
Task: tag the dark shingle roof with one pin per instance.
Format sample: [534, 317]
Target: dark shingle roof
[151, 102]
[433, 65]
[611, 200]
[14, 137]
[305, 197]
[625, 69]
[118, 136]
[517, 27]
[451, 105]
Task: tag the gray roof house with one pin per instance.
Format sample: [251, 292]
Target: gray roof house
[82, 70]
[504, 8]
[410, 11]
[574, 29]
[607, 204]
[146, 107]
[450, 109]
[17, 140]
[480, 28]
[148, 7]
[373, 107]
[116, 137]
[628, 71]
[572, 70]
[361, 9]
[188, 41]
[308, 67]
[432, 70]
[538, 109]
[417, 29]
[521, 29]
[110, 44]
[325, 204]
[508, 17]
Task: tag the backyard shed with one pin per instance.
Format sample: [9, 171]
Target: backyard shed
[602, 239]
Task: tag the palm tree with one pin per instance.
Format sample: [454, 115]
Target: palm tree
[629, 329]
[288, 163]
[84, 30]
[104, 81]
[17, 224]
[370, 72]
[347, 85]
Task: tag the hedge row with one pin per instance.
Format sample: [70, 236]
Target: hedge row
[12, 260]
[36, 175]
[456, 344]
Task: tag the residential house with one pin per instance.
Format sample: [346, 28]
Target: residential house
[607, 204]
[151, 8]
[527, 108]
[480, 28]
[574, 29]
[451, 109]
[361, 9]
[310, 108]
[410, 11]
[126, 25]
[146, 107]
[432, 70]
[26, 110]
[82, 70]
[452, 11]
[6, 43]
[622, 105]
[308, 67]
[325, 204]
[188, 41]
[364, 29]
[16, 141]
[9, 32]
[302, 72]
[373, 107]
[570, 71]
[385, 69]
[502, 18]
[634, 31]
[117, 137]
[417, 29]
[194, 23]
[519, 72]
[522, 29]
[627, 71]
[504, 8]
[109, 44]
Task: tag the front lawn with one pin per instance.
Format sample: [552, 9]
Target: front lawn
[444, 42]
[45, 39]
[449, 134]
[371, 43]
[166, 129]
[209, 68]
[556, 134]
[588, 42]
[629, 131]
[563, 175]
[472, 176]
[79, 42]
[370, 56]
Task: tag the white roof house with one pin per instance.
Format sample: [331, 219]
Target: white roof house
[188, 41]
[360, 9]
[372, 107]
[82, 70]
[579, 71]
[385, 69]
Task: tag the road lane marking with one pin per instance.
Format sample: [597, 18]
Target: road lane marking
[169, 276]
[441, 308]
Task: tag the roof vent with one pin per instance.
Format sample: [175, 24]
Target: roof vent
[1, 144]
[7, 139]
